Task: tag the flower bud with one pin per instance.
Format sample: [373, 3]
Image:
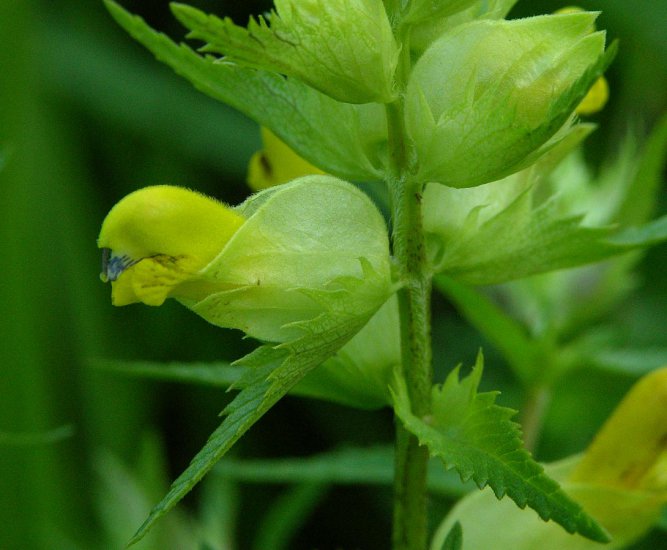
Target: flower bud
[488, 94]
[276, 164]
[350, 43]
[597, 96]
[344, 48]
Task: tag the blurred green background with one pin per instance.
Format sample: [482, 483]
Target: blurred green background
[87, 116]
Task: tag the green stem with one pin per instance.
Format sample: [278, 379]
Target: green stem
[410, 527]
[532, 415]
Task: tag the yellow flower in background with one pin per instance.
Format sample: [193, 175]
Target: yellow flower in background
[598, 95]
[276, 164]
[156, 239]
[596, 98]
[630, 451]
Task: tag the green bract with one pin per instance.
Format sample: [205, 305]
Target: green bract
[425, 32]
[547, 217]
[359, 374]
[308, 236]
[488, 94]
[421, 10]
[628, 515]
[345, 48]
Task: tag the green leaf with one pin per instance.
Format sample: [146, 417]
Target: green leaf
[219, 374]
[287, 515]
[627, 513]
[504, 332]
[271, 372]
[30, 439]
[641, 196]
[521, 241]
[344, 48]
[626, 360]
[360, 373]
[472, 434]
[651, 233]
[353, 466]
[545, 301]
[291, 109]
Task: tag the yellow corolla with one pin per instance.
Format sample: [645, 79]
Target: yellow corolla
[276, 163]
[630, 451]
[598, 95]
[156, 239]
[595, 99]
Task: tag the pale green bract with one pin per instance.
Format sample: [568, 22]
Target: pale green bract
[421, 10]
[344, 48]
[360, 373]
[311, 235]
[427, 31]
[535, 221]
[508, 528]
[506, 89]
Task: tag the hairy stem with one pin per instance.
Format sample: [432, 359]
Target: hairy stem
[410, 527]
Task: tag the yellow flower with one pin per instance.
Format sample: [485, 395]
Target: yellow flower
[595, 99]
[276, 164]
[630, 451]
[598, 95]
[156, 239]
[261, 267]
